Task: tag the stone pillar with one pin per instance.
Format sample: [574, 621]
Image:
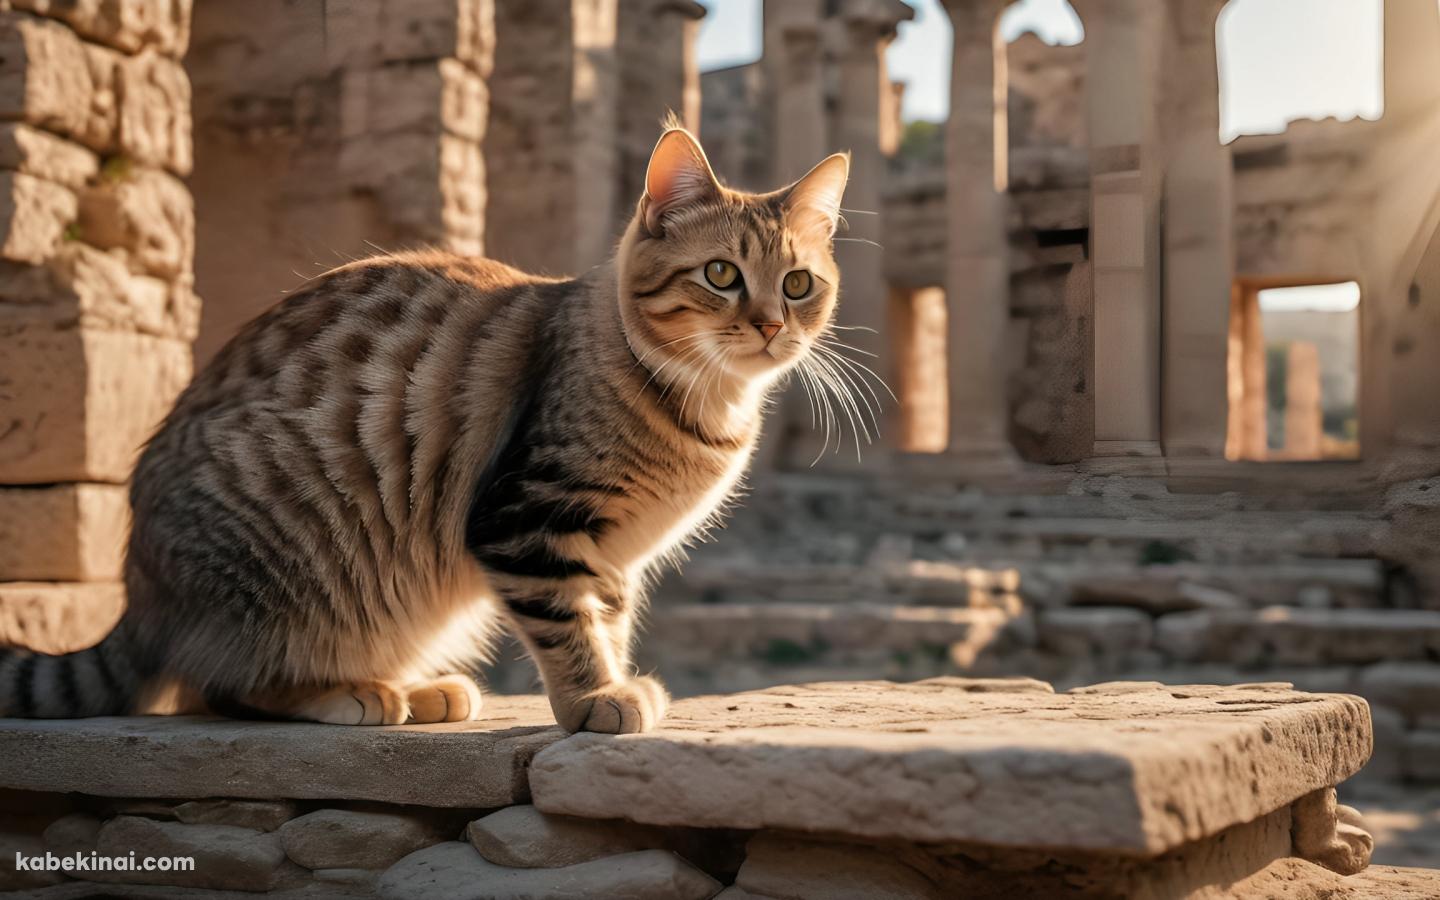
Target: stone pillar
[97, 308]
[1412, 59]
[795, 60]
[1415, 359]
[1125, 222]
[977, 275]
[917, 323]
[659, 74]
[329, 133]
[1303, 416]
[1245, 377]
[1199, 235]
[552, 152]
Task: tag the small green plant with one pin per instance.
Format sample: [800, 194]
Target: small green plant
[1163, 553]
[72, 232]
[116, 169]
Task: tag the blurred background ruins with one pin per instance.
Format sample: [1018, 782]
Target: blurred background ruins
[1156, 286]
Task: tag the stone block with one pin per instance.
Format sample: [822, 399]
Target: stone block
[1138, 773]
[226, 857]
[428, 96]
[14, 878]
[261, 815]
[153, 124]
[58, 618]
[525, 838]
[1387, 762]
[71, 834]
[146, 213]
[430, 29]
[35, 217]
[780, 866]
[127, 25]
[456, 870]
[45, 79]
[476, 765]
[1290, 636]
[39, 153]
[348, 839]
[82, 401]
[82, 287]
[67, 532]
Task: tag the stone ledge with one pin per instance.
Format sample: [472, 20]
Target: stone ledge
[1129, 769]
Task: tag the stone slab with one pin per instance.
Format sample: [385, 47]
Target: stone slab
[470, 765]
[67, 532]
[1136, 771]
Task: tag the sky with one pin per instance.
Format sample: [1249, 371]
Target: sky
[1280, 59]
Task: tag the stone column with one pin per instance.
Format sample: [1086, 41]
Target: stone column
[552, 153]
[977, 275]
[1245, 377]
[795, 61]
[659, 74]
[1199, 242]
[1125, 222]
[325, 134]
[97, 309]
[1303, 416]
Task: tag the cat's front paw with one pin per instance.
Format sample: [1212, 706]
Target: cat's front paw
[622, 708]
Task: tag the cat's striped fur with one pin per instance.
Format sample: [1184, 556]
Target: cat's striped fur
[413, 449]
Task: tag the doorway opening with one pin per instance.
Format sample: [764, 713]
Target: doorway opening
[1294, 370]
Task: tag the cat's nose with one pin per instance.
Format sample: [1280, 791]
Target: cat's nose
[768, 330]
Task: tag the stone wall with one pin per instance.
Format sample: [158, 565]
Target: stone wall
[940, 789]
[324, 135]
[97, 300]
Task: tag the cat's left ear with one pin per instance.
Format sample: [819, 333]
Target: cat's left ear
[812, 204]
[679, 175]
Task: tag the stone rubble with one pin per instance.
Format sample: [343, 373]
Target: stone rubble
[345, 839]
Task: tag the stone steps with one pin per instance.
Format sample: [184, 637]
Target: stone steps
[1323, 583]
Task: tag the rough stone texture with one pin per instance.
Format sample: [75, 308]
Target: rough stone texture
[930, 762]
[261, 815]
[43, 155]
[348, 839]
[123, 24]
[523, 837]
[149, 214]
[455, 870]
[1329, 834]
[84, 287]
[58, 618]
[226, 857]
[85, 401]
[71, 532]
[481, 765]
[75, 833]
[34, 217]
[1284, 636]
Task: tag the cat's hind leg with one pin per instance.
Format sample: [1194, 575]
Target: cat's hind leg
[449, 698]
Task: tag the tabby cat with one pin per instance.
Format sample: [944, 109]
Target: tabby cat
[414, 449]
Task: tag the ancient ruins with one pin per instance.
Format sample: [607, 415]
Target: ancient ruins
[1142, 569]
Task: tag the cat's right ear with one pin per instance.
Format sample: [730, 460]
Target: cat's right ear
[678, 176]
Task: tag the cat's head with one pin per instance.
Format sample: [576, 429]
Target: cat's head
[719, 283]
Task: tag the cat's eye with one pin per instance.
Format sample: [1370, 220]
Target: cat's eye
[721, 274]
[797, 284]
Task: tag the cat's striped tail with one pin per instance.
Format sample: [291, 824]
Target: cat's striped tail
[103, 680]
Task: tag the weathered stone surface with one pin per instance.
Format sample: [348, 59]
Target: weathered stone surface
[1287, 636]
[1329, 834]
[43, 155]
[226, 857]
[523, 837]
[69, 532]
[476, 765]
[146, 213]
[456, 870]
[153, 125]
[58, 618]
[1137, 773]
[34, 217]
[45, 79]
[347, 839]
[89, 288]
[125, 25]
[75, 833]
[780, 866]
[261, 815]
[83, 401]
